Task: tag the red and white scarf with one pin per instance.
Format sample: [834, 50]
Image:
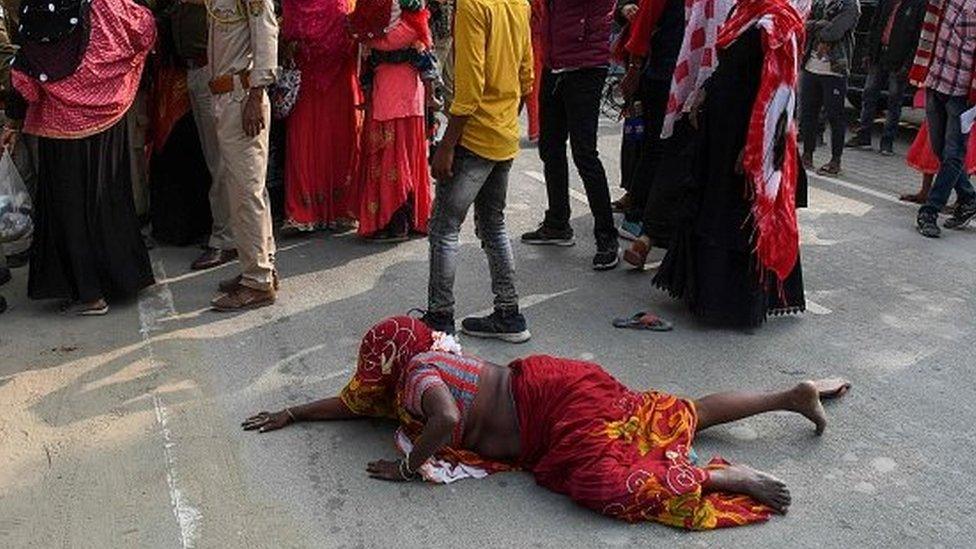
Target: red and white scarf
[697, 59]
[772, 175]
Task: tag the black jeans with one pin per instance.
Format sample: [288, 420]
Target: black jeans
[896, 82]
[820, 91]
[570, 108]
[654, 99]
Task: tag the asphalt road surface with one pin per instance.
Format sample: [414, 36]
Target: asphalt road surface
[123, 431]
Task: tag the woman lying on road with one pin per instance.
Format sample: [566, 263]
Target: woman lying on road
[579, 431]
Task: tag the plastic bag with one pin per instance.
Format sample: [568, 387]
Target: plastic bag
[15, 203]
[284, 92]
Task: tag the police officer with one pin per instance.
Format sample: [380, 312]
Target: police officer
[243, 58]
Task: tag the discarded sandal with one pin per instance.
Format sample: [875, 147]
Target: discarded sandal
[644, 321]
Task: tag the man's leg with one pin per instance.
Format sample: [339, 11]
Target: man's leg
[552, 148]
[583, 92]
[244, 161]
[201, 103]
[489, 217]
[506, 322]
[654, 97]
[835, 94]
[452, 200]
[811, 101]
[949, 144]
[804, 399]
[896, 94]
[869, 106]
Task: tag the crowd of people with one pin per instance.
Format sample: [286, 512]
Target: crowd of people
[395, 117]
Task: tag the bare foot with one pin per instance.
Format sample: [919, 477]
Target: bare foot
[764, 487]
[831, 388]
[805, 399]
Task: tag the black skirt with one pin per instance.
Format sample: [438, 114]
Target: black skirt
[87, 243]
[711, 262]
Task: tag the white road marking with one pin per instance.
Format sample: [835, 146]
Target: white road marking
[578, 196]
[186, 515]
[156, 304]
[822, 201]
[815, 308]
[530, 301]
[193, 274]
[863, 190]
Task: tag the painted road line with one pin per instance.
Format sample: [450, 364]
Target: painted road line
[194, 274]
[156, 304]
[861, 189]
[815, 308]
[578, 196]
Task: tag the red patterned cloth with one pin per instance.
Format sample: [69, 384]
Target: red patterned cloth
[102, 89]
[170, 102]
[618, 452]
[769, 157]
[384, 353]
[322, 151]
[927, 42]
[393, 169]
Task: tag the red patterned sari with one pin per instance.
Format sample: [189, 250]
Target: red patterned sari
[618, 452]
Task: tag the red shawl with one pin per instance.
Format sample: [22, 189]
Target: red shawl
[769, 157]
[372, 18]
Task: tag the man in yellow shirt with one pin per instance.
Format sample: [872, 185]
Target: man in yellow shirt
[472, 163]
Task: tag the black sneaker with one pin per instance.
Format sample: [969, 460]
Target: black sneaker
[927, 225]
[859, 142]
[548, 236]
[439, 322]
[607, 256]
[510, 327]
[962, 216]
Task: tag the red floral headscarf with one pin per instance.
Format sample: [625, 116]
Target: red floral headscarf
[385, 350]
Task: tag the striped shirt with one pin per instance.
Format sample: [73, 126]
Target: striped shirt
[951, 70]
[459, 374]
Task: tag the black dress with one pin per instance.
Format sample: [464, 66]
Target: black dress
[87, 243]
[711, 261]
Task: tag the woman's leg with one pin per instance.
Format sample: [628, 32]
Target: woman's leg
[739, 479]
[803, 399]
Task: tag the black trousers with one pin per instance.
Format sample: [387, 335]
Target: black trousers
[823, 92]
[654, 100]
[570, 109]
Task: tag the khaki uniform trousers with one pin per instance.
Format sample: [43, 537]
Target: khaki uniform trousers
[201, 103]
[243, 169]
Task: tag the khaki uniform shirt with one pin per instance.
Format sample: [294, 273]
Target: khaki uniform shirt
[244, 37]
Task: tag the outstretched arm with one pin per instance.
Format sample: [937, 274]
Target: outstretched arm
[327, 409]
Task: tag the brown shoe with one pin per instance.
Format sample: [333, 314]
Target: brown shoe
[212, 257]
[231, 283]
[623, 205]
[637, 254]
[243, 298]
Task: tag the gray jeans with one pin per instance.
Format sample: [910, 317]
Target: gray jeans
[484, 183]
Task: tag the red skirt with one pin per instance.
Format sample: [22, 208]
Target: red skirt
[921, 157]
[321, 152]
[620, 453]
[393, 170]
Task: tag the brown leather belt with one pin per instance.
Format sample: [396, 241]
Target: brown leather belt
[225, 83]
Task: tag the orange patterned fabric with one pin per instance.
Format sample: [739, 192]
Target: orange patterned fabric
[621, 453]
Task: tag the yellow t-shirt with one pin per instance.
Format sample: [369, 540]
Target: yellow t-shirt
[492, 72]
